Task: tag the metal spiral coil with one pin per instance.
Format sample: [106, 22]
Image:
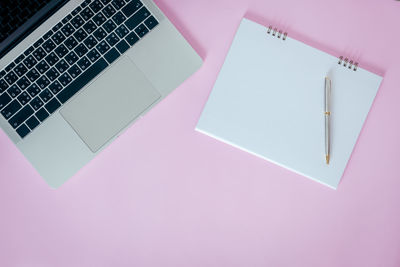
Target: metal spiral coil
[278, 33]
[350, 64]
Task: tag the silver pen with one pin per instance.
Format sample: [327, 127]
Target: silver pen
[327, 118]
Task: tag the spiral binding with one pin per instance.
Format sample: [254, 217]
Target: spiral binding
[277, 33]
[349, 64]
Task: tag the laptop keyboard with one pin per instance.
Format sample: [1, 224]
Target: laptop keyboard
[60, 63]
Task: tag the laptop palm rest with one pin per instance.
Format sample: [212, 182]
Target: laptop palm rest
[110, 103]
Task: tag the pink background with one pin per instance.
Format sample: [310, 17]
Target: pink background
[165, 195]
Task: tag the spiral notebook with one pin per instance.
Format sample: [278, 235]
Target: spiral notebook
[268, 100]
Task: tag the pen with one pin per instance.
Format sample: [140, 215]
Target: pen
[327, 118]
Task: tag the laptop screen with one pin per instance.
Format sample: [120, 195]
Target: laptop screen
[18, 18]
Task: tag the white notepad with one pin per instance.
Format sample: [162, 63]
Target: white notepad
[269, 100]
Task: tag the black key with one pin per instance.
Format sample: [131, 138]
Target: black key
[62, 66]
[55, 87]
[10, 66]
[52, 59]
[13, 91]
[42, 82]
[118, 3]
[74, 71]
[4, 100]
[90, 42]
[86, 14]
[42, 114]
[111, 55]
[141, 30]
[105, 2]
[99, 19]
[30, 61]
[32, 122]
[48, 46]
[52, 106]
[109, 26]
[89, 26]
[80, 50]
[77, 21]
[36, 103]
[58, 38]
[38, 43]
[42, 66]
[61, 51]
[96, 6]
[67, 30]
[103, 47]
[109, 11]
[122, 46]
[71, 58]
[131, 7]
[121, 31]
[28, 51]
[132, 38]
[48, 34]
[11, 77]
[52, 74]
[137, 18]
[19, 59]
[3, 85]
[57, 27]
[23, 83]
[100, 34]
[82, 80]
[32, 75]
[24, 98]
[21, 116]
[33, 90]
[23, 130]
[67, 18]
[84, 4]
[71, 42]
[93, 55]
[84, 63]
[119, 18]
[2, 73]
[112, 39]
[20, 70]
[151, 22]
[65, 79]
[39, 53]
[10, 110]
[80, 35]
[45, 95]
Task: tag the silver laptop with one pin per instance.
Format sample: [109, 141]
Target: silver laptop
[74, 74]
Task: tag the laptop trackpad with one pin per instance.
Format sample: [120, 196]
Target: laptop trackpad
[110, 103]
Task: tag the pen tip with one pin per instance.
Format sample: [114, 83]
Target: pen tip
[327, 159]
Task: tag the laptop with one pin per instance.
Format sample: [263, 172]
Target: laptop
[75, 74]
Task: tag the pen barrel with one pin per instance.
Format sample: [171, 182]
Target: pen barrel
[327, 94]
[327, 134]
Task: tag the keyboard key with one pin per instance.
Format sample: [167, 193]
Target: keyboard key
[19, 59]
[118, 3]
[111, 55]
[4, 100]
[86, 14]
[103, 47]
[121, 31]
[131, 7]
[28, 51]
[71, 58]
[100, 34]
[3, 85]
[93, 55]
[141, 30]
[42, 114]
[46, 95]
[13, 91]
[137, 18]
[52, 74]
[36, 103]
[58, 38]
[82, 80]
[80, 50]
[21, 116]
[84, 63]
[96, 6]
[38, 43]
[32, 122]
[61, 50]
[62, 66]
[20, 70]
[23, 83]
[48, 34]
[65, 79]
[122, 46]
[90, 42]
[11, 77]
[52, 59]
[74, 71]
[80, 35]
[77, 21]
[52, 106]
[23, 130]
[57, 27]
[109, 11]
[151, 22]
[30, 61]
[112, 39]
[32, 75]
[99, 19]
[42, 82]
[132, 38]
[109, 26]
[55, 87]
[67, 18]
[24, 98]
[2, 73]
[89, 26]
[119, 18]
[48, 46]
[39, 53]
[11, 109]
[71, 42]
[67, 30]
[33, 90]
[42, 66]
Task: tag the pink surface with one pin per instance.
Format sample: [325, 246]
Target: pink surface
[165, 195]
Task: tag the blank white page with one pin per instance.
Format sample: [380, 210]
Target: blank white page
[269, 100]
